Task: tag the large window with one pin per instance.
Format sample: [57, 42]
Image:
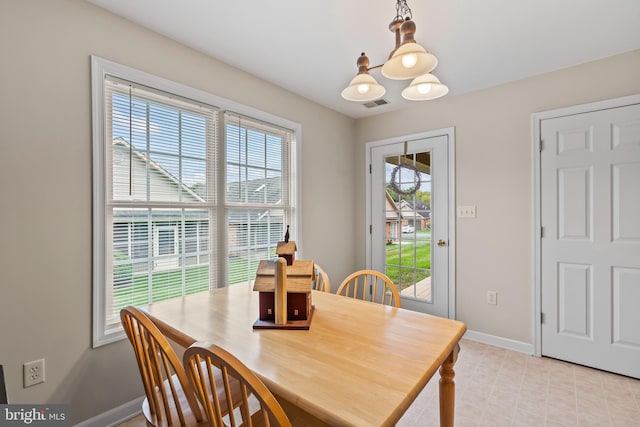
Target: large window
[187, 196]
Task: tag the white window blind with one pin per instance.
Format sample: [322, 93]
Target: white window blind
[258, 194]
[187, 197]
[160, 196]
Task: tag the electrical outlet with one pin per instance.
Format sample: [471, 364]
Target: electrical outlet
[492, 297]
[33, 372]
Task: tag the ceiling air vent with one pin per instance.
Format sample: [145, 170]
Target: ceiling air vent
[376, 103]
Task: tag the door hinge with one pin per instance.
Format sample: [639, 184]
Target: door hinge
[541, 231]
[370, 168]
[370, 229]
[541, 145]
[542, 318]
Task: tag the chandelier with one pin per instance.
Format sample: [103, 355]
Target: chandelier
[408, 60]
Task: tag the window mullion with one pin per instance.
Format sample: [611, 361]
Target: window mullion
[182, 249]
[150, 232]
[180, 160]
[218, 257]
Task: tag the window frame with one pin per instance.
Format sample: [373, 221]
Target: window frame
[100, 68]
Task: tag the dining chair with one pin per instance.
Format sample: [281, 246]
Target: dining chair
[370, 285]
[3, 389]
[203, 361]
[170, 400]
[322, 280]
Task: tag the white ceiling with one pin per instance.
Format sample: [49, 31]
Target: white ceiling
[311, 48]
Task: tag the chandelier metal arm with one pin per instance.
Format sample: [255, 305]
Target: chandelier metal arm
[363, 64]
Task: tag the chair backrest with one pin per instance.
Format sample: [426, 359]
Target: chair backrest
[203, 361]
[370, 285]
[322, 280]
[3, 389]
[170, 398]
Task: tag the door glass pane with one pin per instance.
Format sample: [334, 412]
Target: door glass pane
[408, 223]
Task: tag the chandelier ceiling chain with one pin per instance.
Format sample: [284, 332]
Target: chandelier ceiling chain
[408, 60]
[403, 10]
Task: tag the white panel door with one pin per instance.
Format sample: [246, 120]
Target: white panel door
[590, 249]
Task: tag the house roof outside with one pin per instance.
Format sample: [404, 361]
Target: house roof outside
[268, 188]
[415, 209]
[393, 213]
[165, 185]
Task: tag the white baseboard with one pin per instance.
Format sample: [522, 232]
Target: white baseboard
[506, 343]
[115, 416]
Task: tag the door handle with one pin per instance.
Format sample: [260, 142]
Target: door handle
[442, 243]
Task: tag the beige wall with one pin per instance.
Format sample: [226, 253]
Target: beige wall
[45, 185]
[494, 172]
[45, 188]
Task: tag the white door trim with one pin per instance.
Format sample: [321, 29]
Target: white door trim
[536, 119]
[450, 134]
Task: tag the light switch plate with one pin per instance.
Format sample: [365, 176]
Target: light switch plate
[467, 211]
[492, 297]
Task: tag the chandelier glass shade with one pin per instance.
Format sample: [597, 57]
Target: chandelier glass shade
[363, 88]
[424, 88]
[408, 60]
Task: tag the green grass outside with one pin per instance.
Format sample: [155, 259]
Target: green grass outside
[400, 262]
[163, 286]
[400, 268]
[166, 284]
[241, 270]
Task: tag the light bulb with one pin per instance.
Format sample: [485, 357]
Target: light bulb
[363, 88]
[409, 60]
[424, 88]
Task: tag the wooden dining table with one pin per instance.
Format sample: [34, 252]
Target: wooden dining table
[359, 363]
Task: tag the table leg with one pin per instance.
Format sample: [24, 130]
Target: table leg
[448, 389]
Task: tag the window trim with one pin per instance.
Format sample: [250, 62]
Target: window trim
[101, 67]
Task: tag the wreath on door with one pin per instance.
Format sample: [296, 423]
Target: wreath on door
[395, 183]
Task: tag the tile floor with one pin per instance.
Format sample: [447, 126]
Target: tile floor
[496, 387]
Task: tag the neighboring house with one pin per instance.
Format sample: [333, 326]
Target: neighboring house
[162, 185]
[259, 229]
[393, 219]
[416, 214]
[139, 235]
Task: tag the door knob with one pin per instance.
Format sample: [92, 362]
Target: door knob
[442, 242]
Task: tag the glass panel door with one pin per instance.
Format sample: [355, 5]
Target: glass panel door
[410, 220]
[408, 223]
